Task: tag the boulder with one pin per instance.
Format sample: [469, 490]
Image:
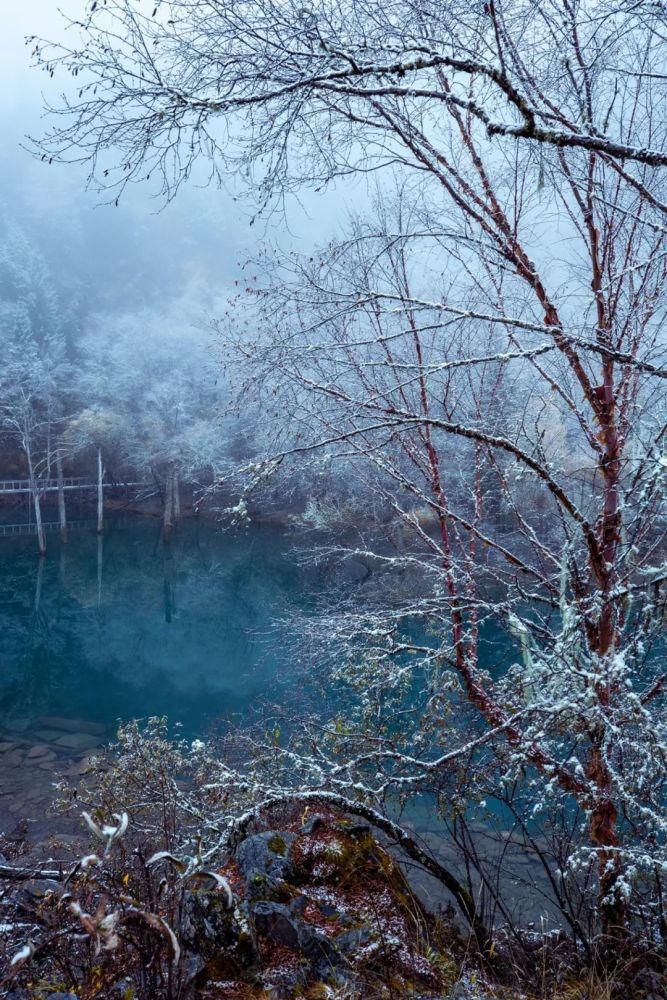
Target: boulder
[265, 854]
[274, 921]
[323, 954]
[352, 940]
[306, 908]
[206, 924]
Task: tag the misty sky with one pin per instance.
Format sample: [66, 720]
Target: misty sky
[136, 253]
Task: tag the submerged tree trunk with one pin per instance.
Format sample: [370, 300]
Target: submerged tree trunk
[168, 523]
[168, 579]
[62, 513]
[39, 581]
[100, 493]
[177, 497]
[100, 568]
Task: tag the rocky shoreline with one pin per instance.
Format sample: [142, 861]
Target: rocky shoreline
[313, 909]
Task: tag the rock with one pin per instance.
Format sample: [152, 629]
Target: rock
[265, 854]
[35, 889]
[281, 933]
[35, 792]
[193, 966]
[323, 954]
[265, 887]
[19, 833]
[79, 768]
[282, 982]
[4, 747]
[73, 725]
[40, 751]
[350, 941]
[208, 928]
[77, 741]
[274, 921]
[48, 735]
[312, 823]
[17, 725]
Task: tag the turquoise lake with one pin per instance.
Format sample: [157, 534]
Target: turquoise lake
[123, 626]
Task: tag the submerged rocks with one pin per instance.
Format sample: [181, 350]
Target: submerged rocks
[77, 741]
[40, 752]
[60, 724]
[29, 767]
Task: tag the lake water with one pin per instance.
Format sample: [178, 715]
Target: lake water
[123, 626]
[105, 629]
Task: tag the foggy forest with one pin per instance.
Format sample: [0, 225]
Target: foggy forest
[332, 515]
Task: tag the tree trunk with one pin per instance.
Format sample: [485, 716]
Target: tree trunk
[602, 826]
[603, 820]
[177, 498]
[100, 568]
[168, 506]
[168, 578]
[41, 538]
[62, 514]
[39, 581]
[34, 492]
[100, 493]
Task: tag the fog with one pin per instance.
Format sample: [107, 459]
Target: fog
[107, 301]
[142, 251]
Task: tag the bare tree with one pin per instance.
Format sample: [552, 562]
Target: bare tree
[35, 370]
[306, 93]
[155, 416]
[526, 499]
[527, 260]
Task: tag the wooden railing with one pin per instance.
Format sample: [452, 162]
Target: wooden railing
[51, 527]
[51, 485]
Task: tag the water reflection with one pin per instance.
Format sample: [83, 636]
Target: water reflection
[122, 626]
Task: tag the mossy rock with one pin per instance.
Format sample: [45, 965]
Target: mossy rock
[277, 845]
[265, 854]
